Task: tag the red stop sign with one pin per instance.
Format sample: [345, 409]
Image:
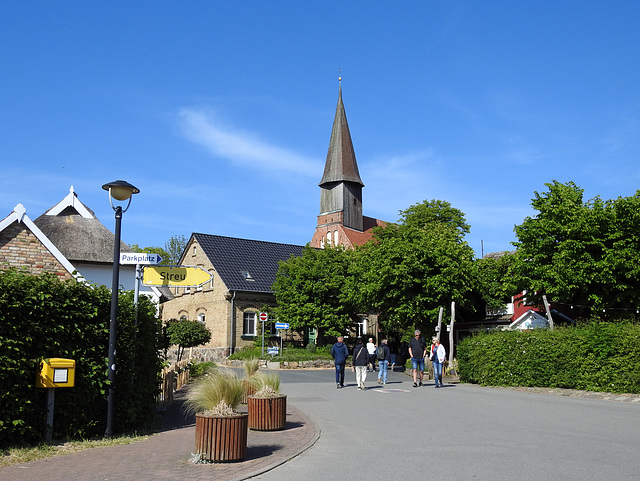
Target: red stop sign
[264, 316]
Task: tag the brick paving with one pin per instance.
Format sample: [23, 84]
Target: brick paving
[168, 454]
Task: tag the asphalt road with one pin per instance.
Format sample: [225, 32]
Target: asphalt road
[460, 432]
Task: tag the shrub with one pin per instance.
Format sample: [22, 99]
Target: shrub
[199, 369]
[43, 317]
[599, 356]
[218, 393]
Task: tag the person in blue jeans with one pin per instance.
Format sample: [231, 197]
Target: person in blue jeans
[340, 352]
[417, 352]
[383, 361]
[437, 356]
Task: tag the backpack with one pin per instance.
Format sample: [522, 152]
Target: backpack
[380, 354]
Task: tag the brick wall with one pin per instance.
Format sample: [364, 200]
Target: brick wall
[19, 247]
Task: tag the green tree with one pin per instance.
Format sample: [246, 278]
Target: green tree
[492, 289]
[170, 253]
[184, 333]
[153, 250]
[411, 270]
[311, 291]
[580, 253]
[420, 215]
[175, 247]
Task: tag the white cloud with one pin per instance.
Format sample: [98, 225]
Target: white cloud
[242, 148]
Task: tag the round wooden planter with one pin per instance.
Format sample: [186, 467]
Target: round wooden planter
[267, 413]
[221, 439]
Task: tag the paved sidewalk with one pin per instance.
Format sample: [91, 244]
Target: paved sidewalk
[167, 455]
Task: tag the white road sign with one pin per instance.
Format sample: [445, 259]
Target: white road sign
[141, 258]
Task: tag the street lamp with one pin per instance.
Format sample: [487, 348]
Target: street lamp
[118, 190]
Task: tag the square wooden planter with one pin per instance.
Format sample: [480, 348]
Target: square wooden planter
[221, 439]
[267, 413]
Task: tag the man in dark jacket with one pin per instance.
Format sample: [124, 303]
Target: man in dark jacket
[360, 362]
[340, 352]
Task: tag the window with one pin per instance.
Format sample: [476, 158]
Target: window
[249, 324]
[335, 238]
[194, 251]
[247, 276]
[201, 317]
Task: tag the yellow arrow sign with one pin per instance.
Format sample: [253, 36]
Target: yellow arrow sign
[175, 276]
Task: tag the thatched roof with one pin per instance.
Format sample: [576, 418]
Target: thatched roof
[80, 238]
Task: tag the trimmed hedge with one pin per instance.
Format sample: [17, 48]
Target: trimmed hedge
[42, 317]
[600, 356]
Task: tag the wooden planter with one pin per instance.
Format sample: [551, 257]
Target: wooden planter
[267, 413]
[221, 439]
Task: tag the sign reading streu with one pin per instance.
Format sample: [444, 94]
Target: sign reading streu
[184, 276]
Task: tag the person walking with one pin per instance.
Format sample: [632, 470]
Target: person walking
[371, 349]
[340, 353]
[360, 362]
[417, 351]
[383, 355]
[437, 357]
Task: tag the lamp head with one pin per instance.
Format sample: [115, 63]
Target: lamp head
[120, 189]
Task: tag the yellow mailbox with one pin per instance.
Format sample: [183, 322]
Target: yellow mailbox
[56, 372]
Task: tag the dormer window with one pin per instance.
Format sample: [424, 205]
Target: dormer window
[247, 276]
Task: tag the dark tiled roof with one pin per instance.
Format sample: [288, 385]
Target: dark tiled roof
[232, 258]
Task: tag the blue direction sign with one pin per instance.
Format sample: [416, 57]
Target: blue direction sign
[141, 258]
[274, 350]
[282, 325]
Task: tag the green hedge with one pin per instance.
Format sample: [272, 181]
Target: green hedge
[599, 356]
[42, 317]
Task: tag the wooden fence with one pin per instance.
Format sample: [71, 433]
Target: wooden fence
[173, 378]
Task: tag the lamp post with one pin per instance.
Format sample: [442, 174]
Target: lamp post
[118, 190]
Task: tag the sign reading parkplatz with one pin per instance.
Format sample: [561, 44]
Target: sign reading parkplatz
[141, 258]
[183, 276]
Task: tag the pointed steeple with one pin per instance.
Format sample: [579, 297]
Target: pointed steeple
[341, 186]
[341, 163]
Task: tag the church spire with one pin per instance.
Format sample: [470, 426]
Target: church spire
[341, 186]
[341, 163]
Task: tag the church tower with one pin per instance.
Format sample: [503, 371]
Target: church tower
[341, 186]
[341, 220]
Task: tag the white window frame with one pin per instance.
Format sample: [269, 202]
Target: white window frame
[246, 318]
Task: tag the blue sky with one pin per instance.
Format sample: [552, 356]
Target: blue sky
[221, 112]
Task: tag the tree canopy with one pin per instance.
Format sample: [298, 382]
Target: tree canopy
[311, 290]
[170, 253]
[581, 253]
[185, 333]
[409, 271]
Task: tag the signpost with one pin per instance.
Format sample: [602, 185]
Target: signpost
[264, 317]
[282, 325]
[183, 276]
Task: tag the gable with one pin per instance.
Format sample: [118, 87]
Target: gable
[529, 320]
[23, 245]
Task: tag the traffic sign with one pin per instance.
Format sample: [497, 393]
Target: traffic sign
[263, 316]
[184, 276]
[141, 258]
[273, 350]
[282, 325]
